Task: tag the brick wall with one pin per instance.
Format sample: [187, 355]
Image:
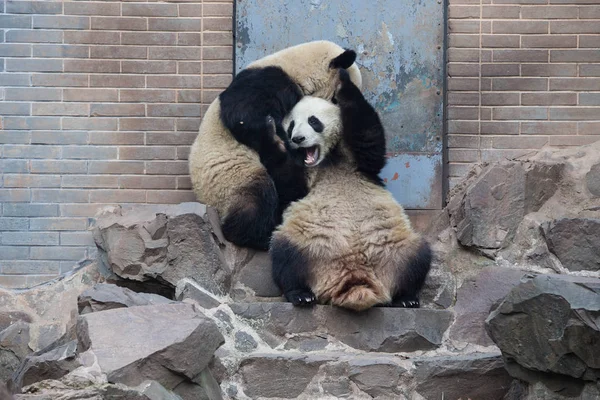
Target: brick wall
[522, 74]
[99, 102]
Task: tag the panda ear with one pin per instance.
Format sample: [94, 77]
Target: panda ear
[344, 60]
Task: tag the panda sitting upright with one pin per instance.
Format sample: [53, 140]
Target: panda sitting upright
[348, 242]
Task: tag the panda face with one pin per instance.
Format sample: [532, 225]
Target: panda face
[313, 127]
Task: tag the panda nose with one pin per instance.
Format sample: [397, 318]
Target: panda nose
[298, 139]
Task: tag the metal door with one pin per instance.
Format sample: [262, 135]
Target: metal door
[400, 54]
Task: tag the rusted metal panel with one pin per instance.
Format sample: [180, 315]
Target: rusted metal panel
[400, 52]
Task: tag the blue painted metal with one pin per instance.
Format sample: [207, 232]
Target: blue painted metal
[400, 52]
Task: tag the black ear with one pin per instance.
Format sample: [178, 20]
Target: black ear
[344, 60]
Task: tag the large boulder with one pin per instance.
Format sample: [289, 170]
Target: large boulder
[165, 243]
[547, 329]
[575, 242]
[167, 343]
[104, 296]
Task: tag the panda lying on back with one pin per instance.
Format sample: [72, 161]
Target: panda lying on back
[348, 242]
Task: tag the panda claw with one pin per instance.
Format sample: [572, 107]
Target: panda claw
[301, 298]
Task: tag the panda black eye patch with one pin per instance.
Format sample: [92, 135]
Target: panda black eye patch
[316, 124]
[290, 129]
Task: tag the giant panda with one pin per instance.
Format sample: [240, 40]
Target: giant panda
[348, 242]
[239, 169]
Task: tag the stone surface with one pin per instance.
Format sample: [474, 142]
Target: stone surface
[376, 376]
[167, 243]
[53, 364]
[256, 275]
[188, 289]
[548, 327]
[165, 343]
[575, 242]
[105, 296]
[244, 342]
[14, 347]
[379, 329]
[475, 300]
[592, 180]
[478, 376]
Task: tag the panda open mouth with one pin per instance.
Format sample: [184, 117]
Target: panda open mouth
[312, 156]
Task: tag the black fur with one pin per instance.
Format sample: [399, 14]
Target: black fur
[253, 95]
[362, 128]
[253, 215]
[413, 278]
[290, 272]
[344, 60]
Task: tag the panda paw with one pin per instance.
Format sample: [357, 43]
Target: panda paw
[346, 91]
[272, 132]
[302, 297]
[407, 302]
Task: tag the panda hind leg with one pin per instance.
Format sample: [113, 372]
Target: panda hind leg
[412, 278]
[253, 215]
[290, 272]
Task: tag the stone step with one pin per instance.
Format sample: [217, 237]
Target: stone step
[366, 376]
[380, 329]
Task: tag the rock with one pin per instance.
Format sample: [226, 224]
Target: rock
[269, 375]
[592, 180]
[155, 391]
[188, 289]
[376, 377]
[490, 208]
[539, 391]
[50, 365]
[478, 376]
[575, 242]
[379, 329]
[166, 243]
[190, 391]
[245, 342]
[106, 297]
[14, 347]
[50, 308]
[548, 327]
[475, 300]
[166, 343]
[256, 275]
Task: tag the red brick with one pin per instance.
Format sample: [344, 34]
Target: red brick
[549, 99]
[575, 55]
[14, 108]
[190, 67]
[148, 182]
[149, 67]
[463, 84]
[60, 196]
[166, 167]
[60, 22]
[175, 24]
[499, 128]
[184, 182]
[190, 10]
[548, 70]
[462, 113]
[526, 27]
[574, 113]
[147, 95]
[116, 138]
[171, 138]
[218, 38]
[463, 142]
[60, 51]
[116, 167]
[493, 41]
[121, 109]
[520, 113]
[188, 124]
[549, 12]
[501, 12]
[34, 94]
[33, 7]
[463, 26]
[463, 55]
[150, 10]
[92, 8]
[512, 84]
[87, 95]
[58, 224]
[60, 137]
[175, 53]
[519, 142]
[147, 153]
[457, 12]
[574, 27]
[94, 124]
[89, 181]
[92, 37]
[584, 128]
[62, 80]
[589, 12]
[14, 195]
[173, 110]
[217, 53]
[463, 99]
[589, 99]
[58, 167]
[548, 128]
[32, 36]
[500, 99]
[500, 70]
[190, 39]
[571, 140]
[169, 196]
[183, 152]
[216, 81]
[217, 24]
[463, 155]
[520, 55]
[217, 9]
[485, 113]
[184, 82]
[118, 196]
[90, 152]
[92, 66]
[117, 81]
[548, 41]
[118, 52]
[580, 84]
[149, 38]
[119, 23]
[146, 124]
[208, 96]
[30, 180]
[589, 41]
[33, 65]
[460, 40]
[60, 109]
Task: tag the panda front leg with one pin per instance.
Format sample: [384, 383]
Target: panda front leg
[411, 277]
[290, 272]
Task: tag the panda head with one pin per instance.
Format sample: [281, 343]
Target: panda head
[313, 128]
[314, 66]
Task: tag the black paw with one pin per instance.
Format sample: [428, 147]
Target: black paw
[302, 297]
[344, 75]
[407, 302]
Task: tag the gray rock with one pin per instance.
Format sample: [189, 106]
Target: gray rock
[245, 342]
[51, 365]
[155, 391]
[14, 347]
[546, 328]
[575, 242]
[592, 180]
[477, 376]
[188, 289]
[256, 275]
[167, 243]
[376, 377]
[165, 343]
[475, 300]
[271, 375]
[379, 329]
[539, 391]
[105, 296]
[190, 391]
